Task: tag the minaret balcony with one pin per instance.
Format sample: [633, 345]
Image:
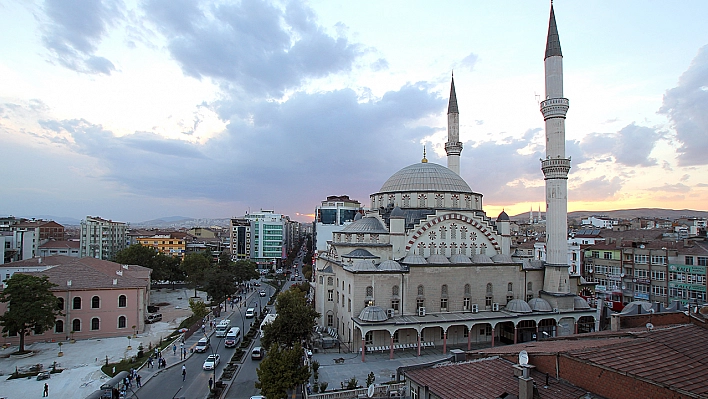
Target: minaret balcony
[554, 108]
[556, 168]
[453, 148]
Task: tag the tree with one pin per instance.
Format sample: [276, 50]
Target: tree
[31, 306]
[295, 320]
[245, 270]
[199, 309]
[195, 266]
[219, 283]
[173, 271]
[281, 370]
[149, 257]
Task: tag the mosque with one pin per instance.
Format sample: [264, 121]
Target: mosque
[425, 266]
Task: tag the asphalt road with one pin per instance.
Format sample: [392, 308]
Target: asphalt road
[168, 383]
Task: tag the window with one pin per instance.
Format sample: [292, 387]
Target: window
[60, 303]
[466, 304]
[121, 322]
[95, 302]
[703, 261]
[658, 260]
[509, 298]
[658, 290]
[369, 291]
[658, 275]
[59, 326]
[394, 290]
[640, 273]
[330, 320]
[443, 232]
[641, 259]
[330, 295]
[77, 303]
[465, 332]
[330, 280]
[607, 255]
[688, 260]
[488, 301]
[95, 323]
[419, 303]
[122, 301]
[420, 290]
[595, 254]
[510, 287]
[395, 305]
[349, 305]
[369, 338]
[443, 304]
[76, 325]
[395, 337]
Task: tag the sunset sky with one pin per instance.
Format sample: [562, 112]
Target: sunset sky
[135, 110]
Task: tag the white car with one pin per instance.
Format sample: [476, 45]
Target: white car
[211, 361]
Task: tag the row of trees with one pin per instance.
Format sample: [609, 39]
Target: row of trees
[283, 367]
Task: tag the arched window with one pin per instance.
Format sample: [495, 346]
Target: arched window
[76, 325]
[421, 249]
[330, 280]
[468, 290]
[77, 303]
[95, 323]
[439, 200]
[394, 290]
[489, 298]
[490, 289]
[420, 290]
[121, 322]
[529, 286]
[510, 287]
[453, 231]
[95, 302]
[122, 301]
[443, 231]
[421, 200]
[443, 298]
[59, 326]
[60, 303]
[443, 291]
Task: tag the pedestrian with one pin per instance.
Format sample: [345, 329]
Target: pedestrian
[174, 349]
[126, 382]
[164, 363]
[184, 352]
[203, 328]
[150, 361]
[184, 373]
[137, 380]
[46, 390]
[156, 352]
[211, 382]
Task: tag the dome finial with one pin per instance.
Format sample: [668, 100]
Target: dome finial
[424, 160]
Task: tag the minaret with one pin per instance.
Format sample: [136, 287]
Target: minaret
[453, 147]
[555, 167]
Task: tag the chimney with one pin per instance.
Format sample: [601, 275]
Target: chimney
[39, 260]
[525, 381]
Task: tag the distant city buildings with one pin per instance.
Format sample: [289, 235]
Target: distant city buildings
[101, 238]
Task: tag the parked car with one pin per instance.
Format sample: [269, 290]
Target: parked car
[202, 345]
[257, 353]
[211, 361]
[153, 318]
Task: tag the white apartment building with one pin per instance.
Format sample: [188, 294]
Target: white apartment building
[101, 238]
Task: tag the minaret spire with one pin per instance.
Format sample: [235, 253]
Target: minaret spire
[555, 168]
[453, 147]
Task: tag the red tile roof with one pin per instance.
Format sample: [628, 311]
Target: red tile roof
[485, 378]
[61, 244]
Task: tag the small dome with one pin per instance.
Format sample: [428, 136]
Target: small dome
[540, 305]
[390, 265]
[369, 225]
[397, 213]
[358, 216]
[414, 259]
[373, 314]
[636, 307]
[503, 217]
[481, 258]
[580, 303]
[438, 259]
[518, 306]
[502, 258]
[364, 265]
[460, 258]
[360, 253]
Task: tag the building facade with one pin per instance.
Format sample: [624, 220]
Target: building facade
[101, 238]
[240, 243]
[267, 237]
[169, 243]
[332, 214]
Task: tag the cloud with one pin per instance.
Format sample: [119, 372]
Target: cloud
[597, 189]
[253, 46]
[379, 65]
[74, 29]
[686, 105]
[470, 61]
[631, 146]
[672, 188]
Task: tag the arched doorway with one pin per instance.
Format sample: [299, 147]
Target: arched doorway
[526, 331]
[586, 324]
[546, 328]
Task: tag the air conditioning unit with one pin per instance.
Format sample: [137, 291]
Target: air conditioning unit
[475, 308]
[421, 311]
[495, 307]
[555, 310]
[390, 312]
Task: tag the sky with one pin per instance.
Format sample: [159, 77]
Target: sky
[136, 110]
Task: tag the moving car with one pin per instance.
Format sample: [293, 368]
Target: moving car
[250, 313]
[153, 317]
[202, 345]
[262, 293]
[222, 328]
[211, 361]
[257, 353]
[233, 337]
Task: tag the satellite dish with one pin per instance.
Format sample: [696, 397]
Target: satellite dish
[523, 358]
[370, 391]
[650, 326]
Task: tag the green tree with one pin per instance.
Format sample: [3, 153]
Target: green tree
[294, 322]
[199, 308]
[137, 254]
[173, 271]
[219, 283]
[195, 266]
[281, 370]
[245, 270]
[31, 306]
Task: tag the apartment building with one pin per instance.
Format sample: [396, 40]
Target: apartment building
[101, 238]
[172, 243]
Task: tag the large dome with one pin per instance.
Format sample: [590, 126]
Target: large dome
[425, 176]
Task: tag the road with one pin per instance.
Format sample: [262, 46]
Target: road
[168, 383]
